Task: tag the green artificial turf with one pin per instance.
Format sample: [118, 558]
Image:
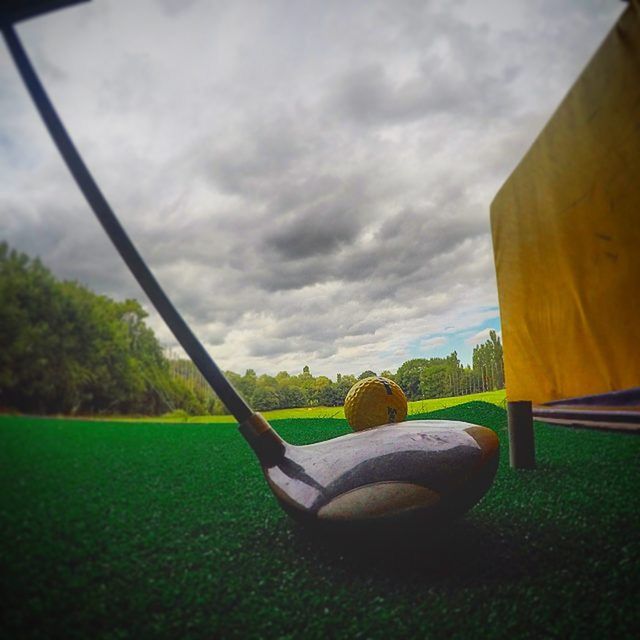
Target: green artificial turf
[118, 530]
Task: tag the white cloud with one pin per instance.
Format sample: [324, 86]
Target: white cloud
[309, 181]
[430, 343]
[480, 337]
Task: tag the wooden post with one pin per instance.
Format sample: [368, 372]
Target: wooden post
[522, 452]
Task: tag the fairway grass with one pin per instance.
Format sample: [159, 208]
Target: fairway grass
[149, 530]
[415, 407]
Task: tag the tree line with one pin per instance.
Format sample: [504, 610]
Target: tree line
[65, 349]
[423, 378]
[419, 378]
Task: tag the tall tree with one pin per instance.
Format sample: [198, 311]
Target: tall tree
[65, 349]
[408, 377]
[488, 363]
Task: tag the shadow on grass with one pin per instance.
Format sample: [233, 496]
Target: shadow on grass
[466, 552]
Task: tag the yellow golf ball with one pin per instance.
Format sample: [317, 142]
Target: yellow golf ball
[374, 401]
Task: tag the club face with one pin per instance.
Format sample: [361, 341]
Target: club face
[407, 471]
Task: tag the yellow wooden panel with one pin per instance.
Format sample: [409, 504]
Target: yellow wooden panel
[566, 237]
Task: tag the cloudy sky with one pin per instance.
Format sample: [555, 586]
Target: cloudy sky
[309, 180]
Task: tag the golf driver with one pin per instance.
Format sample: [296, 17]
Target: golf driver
[411, 470]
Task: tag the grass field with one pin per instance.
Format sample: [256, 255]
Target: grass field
[415, 408]
[116, 530]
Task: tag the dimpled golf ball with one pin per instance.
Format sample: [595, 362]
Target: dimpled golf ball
[373, 402]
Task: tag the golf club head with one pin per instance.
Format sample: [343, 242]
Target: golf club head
[422, 470]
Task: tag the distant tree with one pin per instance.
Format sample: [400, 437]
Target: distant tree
[498, 358]
[434, 382]
[265, 399]
[408, 377]
[249, 382]
[341, 388]
[367, 374]
[326, 395]
[291, 396]
[322, 391]
[488, 365]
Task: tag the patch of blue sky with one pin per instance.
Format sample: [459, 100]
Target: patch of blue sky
[451, 339]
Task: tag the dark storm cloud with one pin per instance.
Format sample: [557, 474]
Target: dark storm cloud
[261, 346]
[265, 348]
[417, 237]
[370, 95]
[406, 244]
[72, 245]
[331, 218]
[452, 70]
[176, 7]
[255, 157]
[319, 230]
